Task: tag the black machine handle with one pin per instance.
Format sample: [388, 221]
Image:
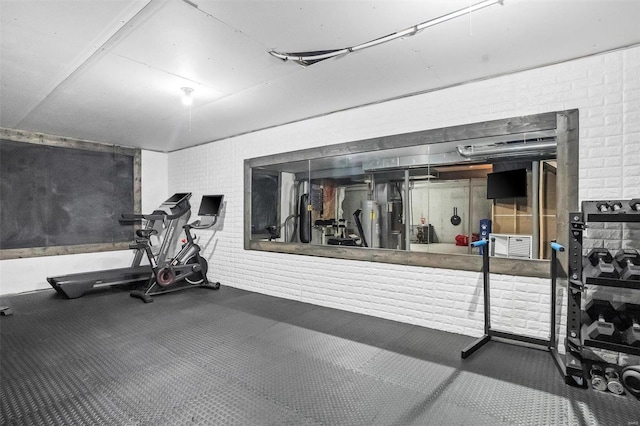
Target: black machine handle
[199, 225]
[356, 217]
[146, 233]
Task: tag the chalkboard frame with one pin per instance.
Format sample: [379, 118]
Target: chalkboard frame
[77, 144]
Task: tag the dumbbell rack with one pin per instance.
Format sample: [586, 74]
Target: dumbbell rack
[592, 211]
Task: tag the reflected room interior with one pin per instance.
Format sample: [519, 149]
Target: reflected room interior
[434, 198]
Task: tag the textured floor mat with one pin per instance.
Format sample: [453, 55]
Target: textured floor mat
[232, 357]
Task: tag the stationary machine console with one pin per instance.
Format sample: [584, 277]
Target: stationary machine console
[209, 210]
[210, 205]
[176, 199]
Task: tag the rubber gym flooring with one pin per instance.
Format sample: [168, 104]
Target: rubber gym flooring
[231, 357]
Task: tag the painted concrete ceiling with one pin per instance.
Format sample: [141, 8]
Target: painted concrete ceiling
[112, 71]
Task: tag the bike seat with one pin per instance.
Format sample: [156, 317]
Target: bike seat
[146, 233]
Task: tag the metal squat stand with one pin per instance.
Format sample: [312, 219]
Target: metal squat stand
[489, 333]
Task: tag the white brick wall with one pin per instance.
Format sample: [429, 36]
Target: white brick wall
[606, 90]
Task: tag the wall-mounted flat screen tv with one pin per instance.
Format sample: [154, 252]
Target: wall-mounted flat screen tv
[508, 184]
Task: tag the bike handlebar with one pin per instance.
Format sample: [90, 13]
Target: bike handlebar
[198, 224]
[156, 215]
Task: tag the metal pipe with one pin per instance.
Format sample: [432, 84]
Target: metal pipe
[535, 203]
[311, 57]
[536, 147]
[468, 222]
[407, 212]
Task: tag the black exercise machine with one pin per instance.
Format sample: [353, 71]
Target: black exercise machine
[172, 215]
[187, 269]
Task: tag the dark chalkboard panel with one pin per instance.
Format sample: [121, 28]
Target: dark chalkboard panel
[64, 196]
[265, 201]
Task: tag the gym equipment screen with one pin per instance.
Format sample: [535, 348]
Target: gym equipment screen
[210, 205]
[177, 197]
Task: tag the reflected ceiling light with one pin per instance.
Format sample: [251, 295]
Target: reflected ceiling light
[187, 98]
[309, 58]
[538, 147]
[423, 177]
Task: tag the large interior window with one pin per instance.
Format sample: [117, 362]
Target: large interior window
[427, 195]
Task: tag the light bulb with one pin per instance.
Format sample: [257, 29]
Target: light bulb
[187, 99]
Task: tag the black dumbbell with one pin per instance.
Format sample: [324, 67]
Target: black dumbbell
[629, 323]
[607, 379]
[604, 206]
[628, 261]
[600, 264]
[631, 335]
[604, 319]
[635, 204]
[598, 382]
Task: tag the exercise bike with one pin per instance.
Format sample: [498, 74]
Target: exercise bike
[188, 268]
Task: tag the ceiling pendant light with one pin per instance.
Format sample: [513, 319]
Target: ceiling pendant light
[187, 98]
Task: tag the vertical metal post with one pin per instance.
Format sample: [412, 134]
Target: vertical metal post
[407, 212]
[468, 218]
[552, 322]
[573, 341]
[478, 343]
[486, 285]
[555, 248]
[535, 208]
[553, 344]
